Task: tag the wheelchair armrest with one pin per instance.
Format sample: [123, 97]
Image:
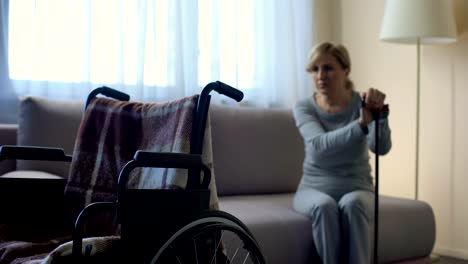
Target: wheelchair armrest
[33, 153]
[167, 160]
[26, 200]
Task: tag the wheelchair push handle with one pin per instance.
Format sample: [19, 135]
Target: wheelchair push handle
[229, 91]
[107, 91]
[221, 88]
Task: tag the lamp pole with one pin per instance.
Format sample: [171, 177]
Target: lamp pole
[413, 21]
[418, 84]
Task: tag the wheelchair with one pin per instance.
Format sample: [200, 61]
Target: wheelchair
[183, 230]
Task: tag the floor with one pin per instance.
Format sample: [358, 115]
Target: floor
[448, 260]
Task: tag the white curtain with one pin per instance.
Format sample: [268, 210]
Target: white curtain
[8, 99]
[162, 49]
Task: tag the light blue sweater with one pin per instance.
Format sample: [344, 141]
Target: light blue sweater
[336, 148]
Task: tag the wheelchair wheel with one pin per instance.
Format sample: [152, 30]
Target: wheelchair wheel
[213, 237]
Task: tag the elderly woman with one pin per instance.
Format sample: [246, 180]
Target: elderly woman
[336, 189]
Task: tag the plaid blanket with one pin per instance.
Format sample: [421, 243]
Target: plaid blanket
[109, 135]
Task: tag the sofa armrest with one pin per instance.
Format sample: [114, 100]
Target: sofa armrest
[8, 136]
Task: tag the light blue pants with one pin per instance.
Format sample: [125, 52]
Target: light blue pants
[341, 230]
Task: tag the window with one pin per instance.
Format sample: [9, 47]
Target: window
[101, 42]
[158, 49]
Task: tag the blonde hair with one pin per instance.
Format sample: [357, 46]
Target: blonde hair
[339, 52]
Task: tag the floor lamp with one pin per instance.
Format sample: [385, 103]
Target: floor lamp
[418, 22]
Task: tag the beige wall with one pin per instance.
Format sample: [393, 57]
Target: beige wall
[444, 110]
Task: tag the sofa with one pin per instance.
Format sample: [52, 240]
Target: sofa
[257, 155]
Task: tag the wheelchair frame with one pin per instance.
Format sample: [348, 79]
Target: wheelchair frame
[191, 202]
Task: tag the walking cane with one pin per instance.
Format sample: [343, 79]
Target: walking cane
[376, 115]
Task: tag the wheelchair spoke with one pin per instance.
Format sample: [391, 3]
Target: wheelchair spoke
[196, 251]
[230, 248]
[235, 254]
[211, 241]
[217, 247]
[175, 254]
[246, 257]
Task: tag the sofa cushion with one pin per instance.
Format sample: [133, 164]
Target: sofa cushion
[284, 236]
[48, 123]
[255, 150]
[407, 228]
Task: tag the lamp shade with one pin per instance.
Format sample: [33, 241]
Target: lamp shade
[429, 21]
